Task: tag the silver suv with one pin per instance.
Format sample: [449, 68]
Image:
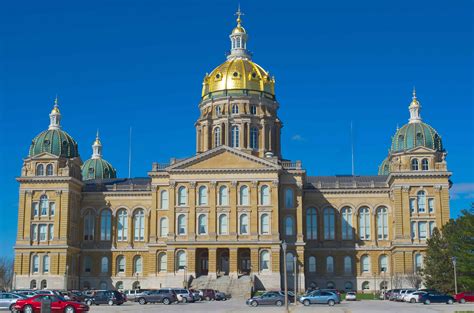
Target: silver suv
[7, 300]
[184, 295]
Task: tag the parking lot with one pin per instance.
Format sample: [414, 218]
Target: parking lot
[238, 305]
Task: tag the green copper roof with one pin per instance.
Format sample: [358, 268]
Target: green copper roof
[384, 168]
[414, 135]
[97, 169]
[54, 141]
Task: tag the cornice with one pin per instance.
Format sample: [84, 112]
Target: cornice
[49, 179]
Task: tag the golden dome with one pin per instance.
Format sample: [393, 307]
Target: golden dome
[238, 74]
[55, 109]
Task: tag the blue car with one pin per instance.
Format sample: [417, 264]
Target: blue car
[320, 297]
[434, 297]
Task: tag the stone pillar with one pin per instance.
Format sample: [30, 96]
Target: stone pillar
[254, 260]
[212, 272]
[301, 268]
[57, 215]
[212, 217]
[275, 216]
[192, 211]
[254, 218]
[153, 215]
[249, 126]
[171, 264]
[299, 213]
[398, 212]
[233, 214]
[191, 260]
[233, 262]
[171, 211]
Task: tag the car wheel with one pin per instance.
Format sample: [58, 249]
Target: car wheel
[450, 301]
[110, 302]
[254, 303]
[69, 309]
[11, 308]
[142, 301]
[28, 309]
[412, 300]
[89, 302]
[166, 301]
[331, 302]
[306, 302]
[462, 301]
[427, 302]
[208, 299]
[185, 300]
[279, 303]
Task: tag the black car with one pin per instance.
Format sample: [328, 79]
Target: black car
[432, 297]
[109, 297]
[165, 296]
[267, 298]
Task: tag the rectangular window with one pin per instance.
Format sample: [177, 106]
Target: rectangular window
[432, 226]
[413, 230]
[51, 232]
[422, 230]
[52, 208]
[412, 205]
[44, 210]
[34, 232]
[35, 208]
[42, 232]
[431, 205]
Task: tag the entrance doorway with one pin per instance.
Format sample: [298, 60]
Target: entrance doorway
[244, 264]
[202, 261]
[223, 262]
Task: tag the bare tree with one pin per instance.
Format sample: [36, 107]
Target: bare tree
[6, 273]
[397, 280]
[415, 279]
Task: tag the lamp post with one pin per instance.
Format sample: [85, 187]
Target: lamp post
[138, 283]
[285, 280]
[295, 265]
[384, 284]
[453, 259]
[185, 283]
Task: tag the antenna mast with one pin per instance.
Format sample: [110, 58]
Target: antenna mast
[130, 153]
[352, 151]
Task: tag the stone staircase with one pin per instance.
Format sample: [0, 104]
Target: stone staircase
[235, 287]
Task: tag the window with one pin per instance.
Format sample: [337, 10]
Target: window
[413, 230]
[235, 109]
[121, 264]
[431, 205]
[223, 196]
[223, 222]
[218, 111]
[52, 208]
[265, 195]
[35, 208]
[46, 264]
[39, 170]
[421, 199]
[235, 136]
[311, 224]
[87, 264]
[244, 224]
[365, 263]
[254, 138]
[419, 139]
[312, 264]
[414, 164]
[89, 226]
[202, 197]
[164, 200]
[328, 223]
[122, 225]
[347, 231]
[382, 223]
[44, 205]
[202, 224]
[105, 224]
[49, 169]
[289, 198]
[290, 262]
[33, 284]
[424, 164]
[217, 136]
[34, 232]
[103, 285]
[329, 264]
[365, 285]
[162, 262]
[383, 263]
[119, 285]
[42, 232]
[253, 109]
[418, 262]
[35, 263]
[181, 224]
[412, 205]
[264, 224]
[364, 223]
[137, 265]
[182, 196]
[347, 265]
[51, 232]
[104, 264]
[432, 226]
[265, 260]
[164, 227]
[348, 285]
[289, 222]
[244, 195]
[181, 259]
[139, 225]
[422, 230]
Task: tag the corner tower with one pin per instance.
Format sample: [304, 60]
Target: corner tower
[238, 107]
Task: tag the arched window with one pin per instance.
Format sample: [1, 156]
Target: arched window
[289, 226]
[162, 262]
[223, 195]
[312, 264]
[181, 224]
[105, 225]
[264, 224]
[330, 264]
[44, 284]
[49, 170]
[348, 285]
[180, 259]
[244, 224]
[217, 136]
[347, 265]
[46, 264]
[264, 260]
[383, 263]
[104, 264]
[382, 223]
[89, 226]
[329, 223]
[364, 223]
[35, 264]
[182, 196]
[235, 136]
[103, 285]
[120, 264]
[419, 139]
[164, 199]
[424, 164]
[421, 201]
[311, 224]
[44, 205]
[164, 227]
[235, 109]
[33, 284]
[87, 264]
[414, 164]
[347, 229]
[119, 285]
[244, 195]
[202, 199]
[365, 285]
[40, 170]
[137, 265]
[289, 199]
[223, 222]
[139, 225]
[265, 195]
[202, 224]
[290, 262]
[365, 263]
[330, 285]
[418, 262]
[254, 138]
[122, 225]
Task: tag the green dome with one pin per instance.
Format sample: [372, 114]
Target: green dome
[384, 168]
[54, 141]
[416, 134]
[98, 169]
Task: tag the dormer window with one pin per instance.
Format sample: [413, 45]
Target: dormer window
[424, 165]
[235, 109]
[419, 139]
[218, 111]
[414, 164]
[253, 109]
[40, 170]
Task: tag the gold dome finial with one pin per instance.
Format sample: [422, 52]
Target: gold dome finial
[414, 93]
[239, 14]
[97, 139]
[56, 105]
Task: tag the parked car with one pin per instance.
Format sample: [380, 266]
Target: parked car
[48, 292]
[132, 294]
[267, 298]
[109, 297]
[406, 294]
[393, 294]
[26, 293]
[351, 296]
[184, 295]
[196, 294]
[320, 296]
[414, 296]
[58, 304]
[463, 297]
[291, 296]
[220, 296]
[8, 300]
[429, 298]
[208, 294]
[402, 294]
[337, 292]
[165, 296]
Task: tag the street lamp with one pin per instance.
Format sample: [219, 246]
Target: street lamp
[284, 246]
[185, 283]
[295, 264]
[384, 283]
[453, 259]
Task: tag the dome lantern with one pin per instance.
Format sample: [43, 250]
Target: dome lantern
[55, 116]
[97, 147]
[415, 108]
[238, 39]
[96, 167]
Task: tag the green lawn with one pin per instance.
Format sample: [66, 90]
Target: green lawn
[363, 296]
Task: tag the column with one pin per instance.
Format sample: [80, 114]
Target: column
[191, 260]
[171, 211]
[212, 217]
[57, 215]
[153, 215]
[212, 262]
[398, 215]
[405, 212]
[254, 219]
[299, 212]
[249, 126]
[192, 211]
[301, 270]
[233, 214]
[233, 262]
[275, 218]
[254, 260]
[170, 255]
[263, 136]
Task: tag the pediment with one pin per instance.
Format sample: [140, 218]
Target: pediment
[420, 149]
[43, 156]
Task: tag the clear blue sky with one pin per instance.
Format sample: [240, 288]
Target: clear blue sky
[117, 64]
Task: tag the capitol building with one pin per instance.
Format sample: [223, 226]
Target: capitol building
[219, 217]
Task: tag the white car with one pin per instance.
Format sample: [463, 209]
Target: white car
[413, 297]
[351, 296]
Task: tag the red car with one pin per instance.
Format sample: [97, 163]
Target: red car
[463, 297]
[58, 304]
